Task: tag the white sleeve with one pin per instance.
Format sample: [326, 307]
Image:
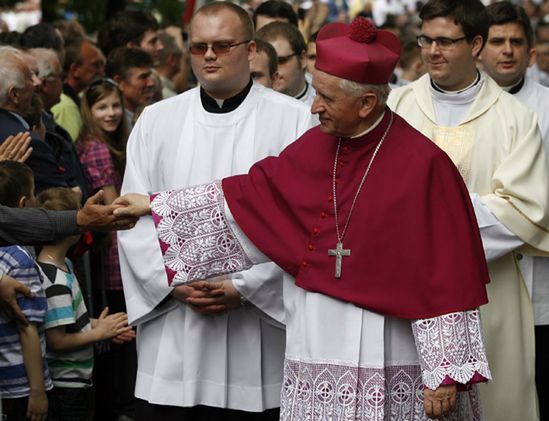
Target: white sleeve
[451, 346]
[497, 240]
[143, 275]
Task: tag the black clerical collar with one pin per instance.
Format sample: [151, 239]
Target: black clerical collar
[439, 89]
[517, 87]
[302, 94]
[71, 93]
[230, 104]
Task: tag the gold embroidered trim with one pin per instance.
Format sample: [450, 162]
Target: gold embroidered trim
[526, 216]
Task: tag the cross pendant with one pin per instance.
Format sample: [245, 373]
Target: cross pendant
[339, 252]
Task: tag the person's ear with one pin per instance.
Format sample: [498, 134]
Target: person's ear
[476, 45]
[368, 102]
[252, 49]
[13, 94]
[302, 57]
[531, 56]
[275, 77]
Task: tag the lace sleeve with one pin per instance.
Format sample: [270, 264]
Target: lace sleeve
[451, 347]
[194, 236]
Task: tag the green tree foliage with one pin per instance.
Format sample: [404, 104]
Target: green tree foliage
[93, 14]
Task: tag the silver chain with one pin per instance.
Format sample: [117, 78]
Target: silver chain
[340, 237]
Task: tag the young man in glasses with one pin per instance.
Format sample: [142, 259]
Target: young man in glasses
[495, 143]
[264, 66]
[193, 366]
[508, 53]
[292, 60]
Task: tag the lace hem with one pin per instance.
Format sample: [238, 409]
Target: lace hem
[451, 346]
[194, 236]
[320, 391]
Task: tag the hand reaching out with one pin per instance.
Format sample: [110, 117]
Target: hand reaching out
[108, 326]
[123, 337]
[132, 205]
[98, 217]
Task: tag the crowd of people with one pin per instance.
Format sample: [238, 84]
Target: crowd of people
[315, 211]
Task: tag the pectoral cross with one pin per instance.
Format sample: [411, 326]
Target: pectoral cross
[339, 252]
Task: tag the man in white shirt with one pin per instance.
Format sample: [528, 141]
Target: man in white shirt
[193, 366]
[495, 143]
[291, 51]
[508, 53]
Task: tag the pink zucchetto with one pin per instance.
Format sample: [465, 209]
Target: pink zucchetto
[358, 52]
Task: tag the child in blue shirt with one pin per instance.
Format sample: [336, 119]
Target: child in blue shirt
[24, 375]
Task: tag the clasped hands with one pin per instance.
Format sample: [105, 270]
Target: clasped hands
[208, 297]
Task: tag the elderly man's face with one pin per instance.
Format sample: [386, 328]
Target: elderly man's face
[506, 55]
[92, 66]
[337, 111]
[223, 74]
[24, 94]
[52, 84]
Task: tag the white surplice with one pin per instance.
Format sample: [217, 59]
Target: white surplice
[232, 360]
[496, 146]
[342, 362]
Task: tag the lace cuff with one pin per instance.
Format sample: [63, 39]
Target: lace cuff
[451, 346]
[194, 236]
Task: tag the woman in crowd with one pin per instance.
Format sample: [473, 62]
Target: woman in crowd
[101, 147]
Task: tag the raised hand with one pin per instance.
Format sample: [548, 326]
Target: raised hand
[439, 402]
[16, 148]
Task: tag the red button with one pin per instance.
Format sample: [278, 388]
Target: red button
[304, 263]
[311, 247]
[316, 230]
[330, 198]
[323, 214]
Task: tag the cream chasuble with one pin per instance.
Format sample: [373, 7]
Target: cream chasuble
[231, 360]
[497, 149]
[536, 269]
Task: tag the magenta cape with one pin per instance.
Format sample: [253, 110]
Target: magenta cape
[415, 247]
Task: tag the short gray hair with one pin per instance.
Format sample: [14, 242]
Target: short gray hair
[43, 56]
[10, 75]
[357, 89]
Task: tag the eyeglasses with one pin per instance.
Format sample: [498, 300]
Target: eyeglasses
[442, 42]
[218, 47]
[285, 59]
